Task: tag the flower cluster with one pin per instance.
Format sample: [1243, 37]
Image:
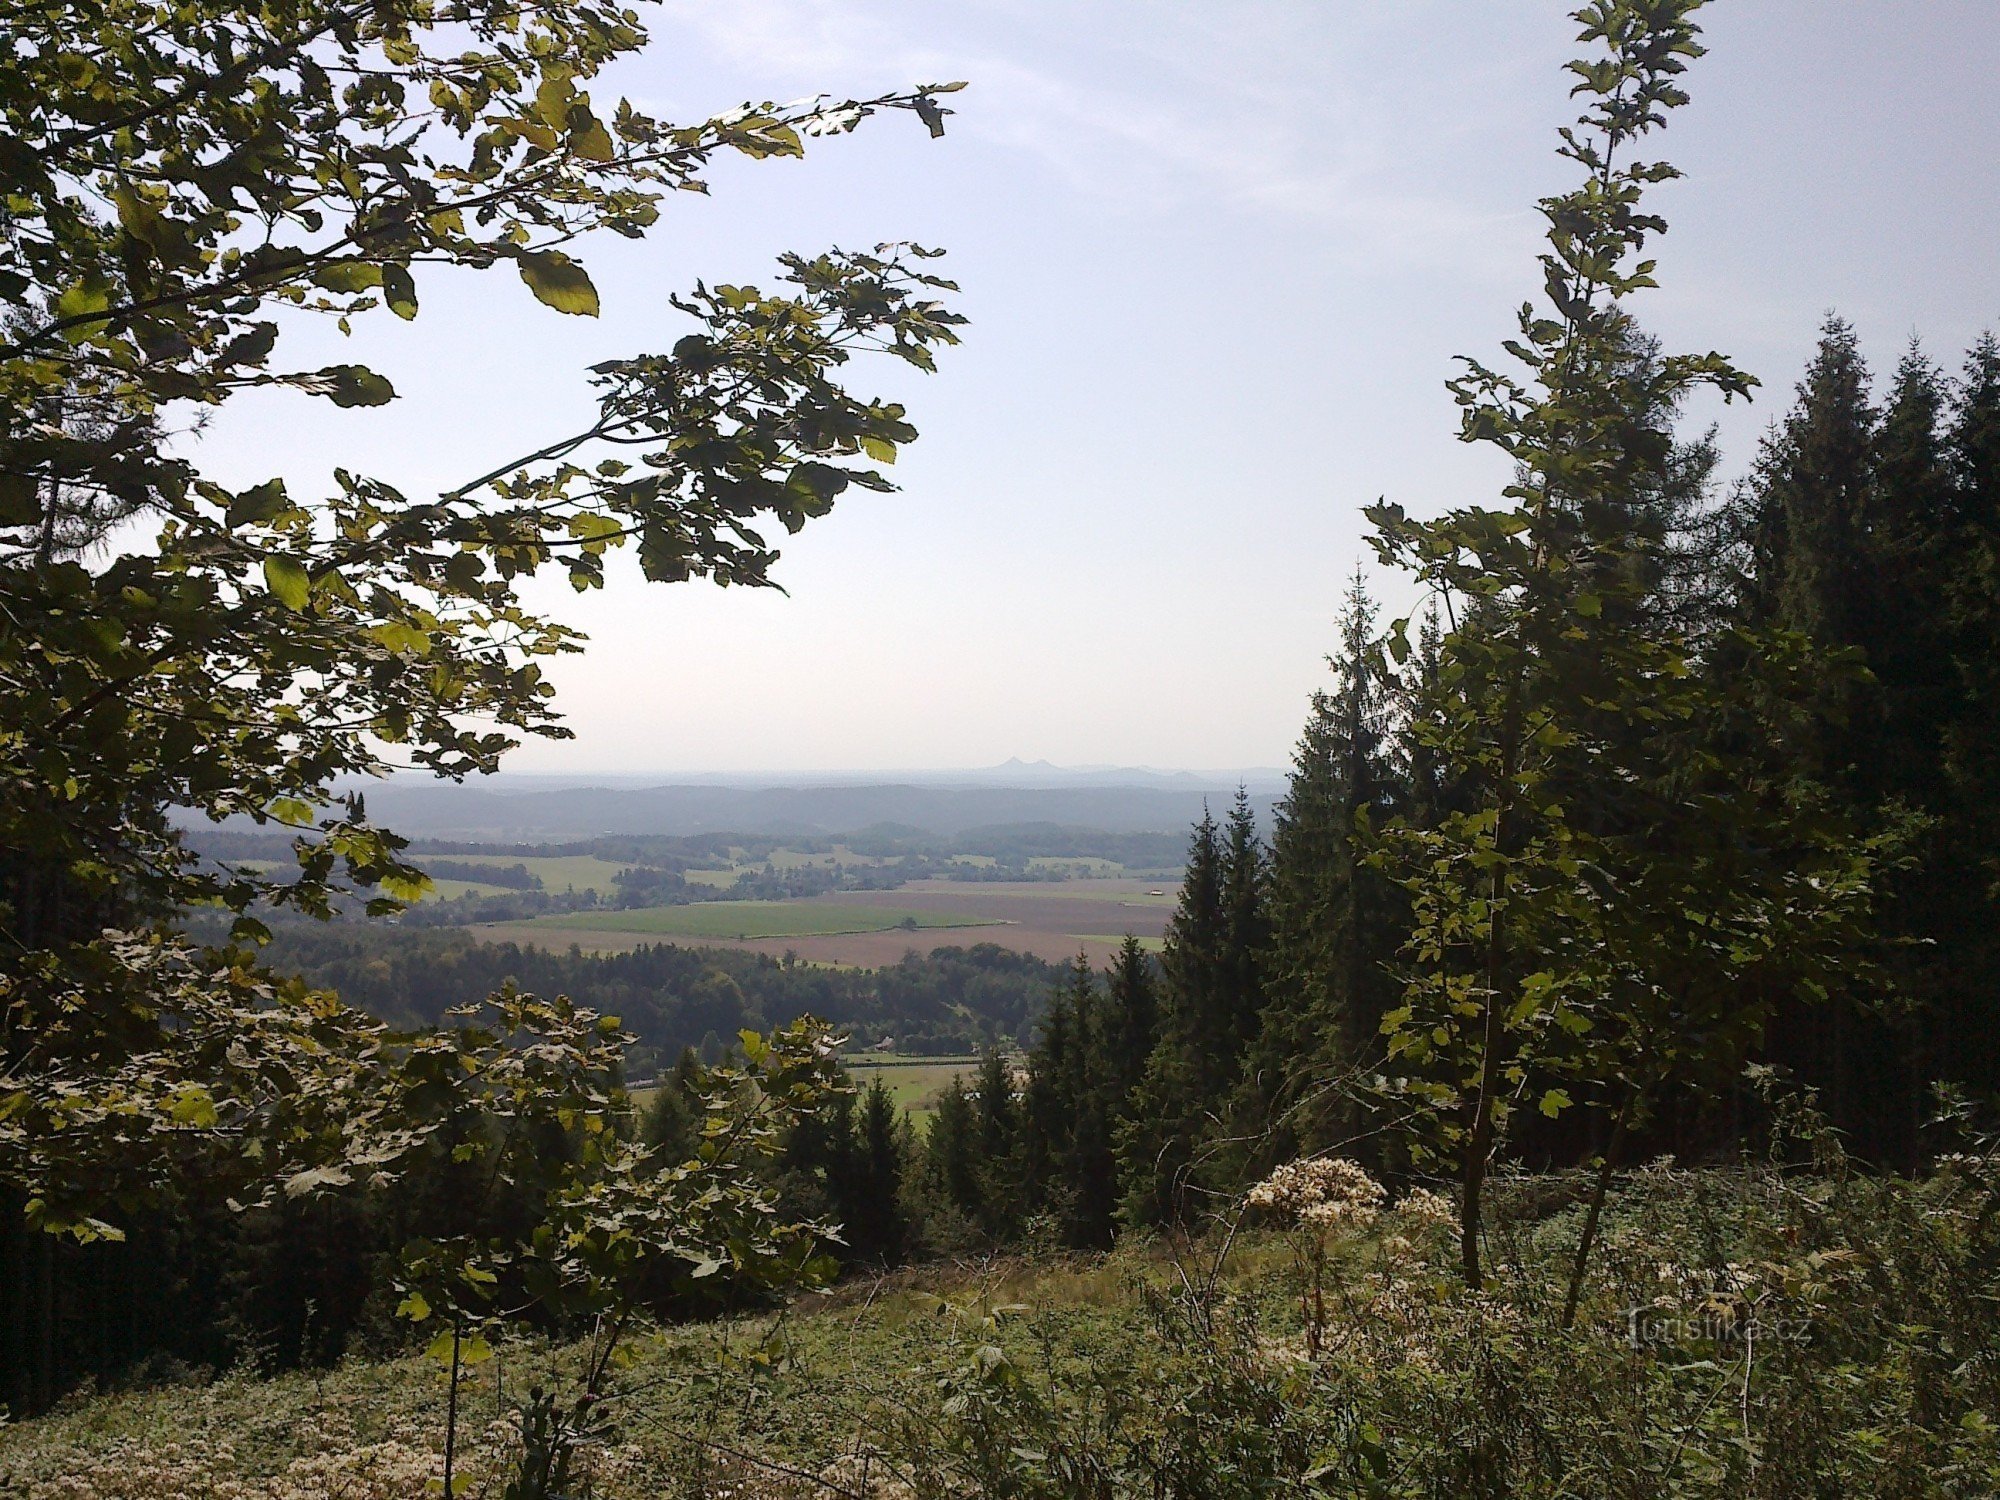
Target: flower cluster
[1320, 1193]
[1420, 1208]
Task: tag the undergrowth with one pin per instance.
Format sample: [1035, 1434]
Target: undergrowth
[1751, 1332]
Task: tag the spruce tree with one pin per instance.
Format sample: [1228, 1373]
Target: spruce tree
[1213, 997]
[1331, 916]
[1156, 1144]
[1131, 1022]
[997, 1125]
[872, 1210]
[1809, 500]
[953, 1182]
[1247, 932]
[1968, 1030]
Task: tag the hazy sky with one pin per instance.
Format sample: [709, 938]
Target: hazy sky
[1218, 258]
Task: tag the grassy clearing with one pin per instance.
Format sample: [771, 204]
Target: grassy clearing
[755, 919]
[913, 1082]
[1012, 1376]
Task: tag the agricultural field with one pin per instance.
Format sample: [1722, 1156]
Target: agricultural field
[557, 872]
[747, 920]
[913, 1082]
[866, 929]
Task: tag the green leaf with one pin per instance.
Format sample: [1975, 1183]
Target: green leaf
[1554, 1102]
[560, 282]
[348, 276]
[405, 889]
[258, 504]
[349, 385]
[82, 298]
[399, 291]
[880, 449]
[287, 581]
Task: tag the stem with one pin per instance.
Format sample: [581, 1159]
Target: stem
[1599, 1190]
[451, 1417]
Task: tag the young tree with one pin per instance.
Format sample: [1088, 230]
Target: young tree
[1599, 824]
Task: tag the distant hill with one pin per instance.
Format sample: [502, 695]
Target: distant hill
[516, 810]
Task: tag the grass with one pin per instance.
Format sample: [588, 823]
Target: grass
[913, 1082]
[755, 919]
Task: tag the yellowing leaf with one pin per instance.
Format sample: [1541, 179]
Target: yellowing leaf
[294, 811]
[559, 282]
[287, 581]
[193, 1105]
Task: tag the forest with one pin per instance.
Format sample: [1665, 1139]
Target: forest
[1586, 1083]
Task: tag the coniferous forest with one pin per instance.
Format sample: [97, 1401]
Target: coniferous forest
[1584, 1083]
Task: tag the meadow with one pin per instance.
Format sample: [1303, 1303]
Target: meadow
[1804, 1335]
[914, 1083]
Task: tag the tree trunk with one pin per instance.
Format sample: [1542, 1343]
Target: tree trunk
[1599, 1190]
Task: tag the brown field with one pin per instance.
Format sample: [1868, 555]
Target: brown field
[1053, 921]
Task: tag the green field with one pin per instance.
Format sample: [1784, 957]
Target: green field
[913, 1082]
[754, 919]
[558, 872]
[1147, 944]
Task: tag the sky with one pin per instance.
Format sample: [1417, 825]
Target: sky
[1218, 259]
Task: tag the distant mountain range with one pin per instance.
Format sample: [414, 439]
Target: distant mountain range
[527, 808]
[1011, 773]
